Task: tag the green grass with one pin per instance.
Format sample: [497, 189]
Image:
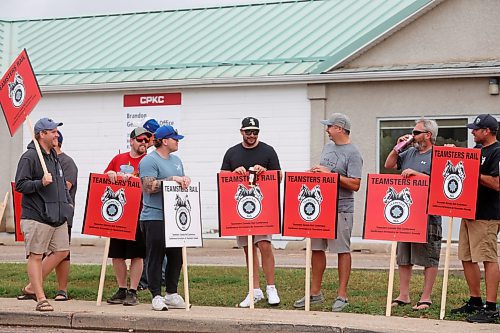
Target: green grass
[227, 286]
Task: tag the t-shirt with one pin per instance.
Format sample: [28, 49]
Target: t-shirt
[488, 200]
[153, 165]
[125, 163]
[70, 171]
[413, 159]
[345, 160]
[263, 155]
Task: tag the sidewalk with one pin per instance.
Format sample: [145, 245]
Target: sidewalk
[86, 315]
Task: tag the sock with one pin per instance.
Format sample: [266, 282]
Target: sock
[122, 289]
[476, 301]
[133, 291]
[271, 285]
[491, 306]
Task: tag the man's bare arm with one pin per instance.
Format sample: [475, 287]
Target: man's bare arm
[151, 185]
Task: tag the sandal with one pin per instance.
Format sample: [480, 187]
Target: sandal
[398, 302]
[25, 295]
[44, 306]
[61, 295]
[422, 305]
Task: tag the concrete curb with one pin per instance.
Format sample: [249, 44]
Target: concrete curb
[84, 315]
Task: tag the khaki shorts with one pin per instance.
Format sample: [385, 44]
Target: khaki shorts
[342, 244]
[243, 240]
[40, 238]
[478, 240]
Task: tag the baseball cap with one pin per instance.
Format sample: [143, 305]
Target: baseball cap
[249, 123]
[484, 121]
[167, 132]
[139, 131]
[151, 125]
[46, 124]
[338, 119]
[60, 138]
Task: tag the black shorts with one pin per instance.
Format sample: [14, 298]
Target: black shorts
[127, 249]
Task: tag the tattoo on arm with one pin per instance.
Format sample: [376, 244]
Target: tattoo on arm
[150, 184]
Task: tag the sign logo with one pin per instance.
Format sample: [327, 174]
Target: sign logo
[112, 204]
[454, 176]
[182, 212]
[17, 91]
[249, 201]
[397, 206]
[310, 203]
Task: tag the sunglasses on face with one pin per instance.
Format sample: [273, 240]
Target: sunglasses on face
[415, 132]
[250, 132]
[142, 140]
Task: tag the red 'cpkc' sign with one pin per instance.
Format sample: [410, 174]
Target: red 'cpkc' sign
[454, 181]
[248, 210]
[19, 92]
[395, 208]
[310, 206]
[112, 209]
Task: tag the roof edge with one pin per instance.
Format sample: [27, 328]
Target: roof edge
[365, 48]
[340, 77]
[160, 11]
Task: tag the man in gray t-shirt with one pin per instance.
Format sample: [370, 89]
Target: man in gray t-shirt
[344, 158]
[417, 161]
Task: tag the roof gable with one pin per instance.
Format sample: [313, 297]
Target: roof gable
[257, 40]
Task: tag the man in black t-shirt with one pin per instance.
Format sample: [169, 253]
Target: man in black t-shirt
[240, 158]
[478, 238]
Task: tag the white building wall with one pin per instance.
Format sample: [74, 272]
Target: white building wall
[211, 118]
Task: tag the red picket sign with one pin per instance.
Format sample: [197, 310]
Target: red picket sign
[454, 182]
[112, 210]
[395, 208]
[310, 204]
[17, 197]
[249, 210]
[19, 92]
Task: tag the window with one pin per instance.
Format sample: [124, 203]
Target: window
[450, 131]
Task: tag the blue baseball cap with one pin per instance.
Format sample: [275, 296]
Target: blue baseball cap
[167, 132]
[151, 125]
[484, 121]
[60, 138]
[46, 124]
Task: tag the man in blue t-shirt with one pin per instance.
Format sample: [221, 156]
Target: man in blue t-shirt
[154, 168]
[240, 158]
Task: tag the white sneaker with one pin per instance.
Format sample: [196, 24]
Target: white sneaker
[257, 296]
[272, 295]
[158, 304]
[175, 301]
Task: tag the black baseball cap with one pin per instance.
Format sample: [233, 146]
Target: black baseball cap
[484, 121]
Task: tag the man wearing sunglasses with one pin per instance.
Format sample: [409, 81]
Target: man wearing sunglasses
[416, 160]
[240, 158]
[124, 166]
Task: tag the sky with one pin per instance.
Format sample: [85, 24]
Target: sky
[33, 9]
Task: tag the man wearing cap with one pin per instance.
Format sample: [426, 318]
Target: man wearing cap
[160, 165]
[240, 158]
[340, 156]
[46, 206]
[478, 238]
[417, 161]
[127, 165]
[70, 171]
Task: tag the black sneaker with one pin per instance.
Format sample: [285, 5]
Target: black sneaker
[484, 316]
[131, 299]
[467, 308]
[118, 297]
